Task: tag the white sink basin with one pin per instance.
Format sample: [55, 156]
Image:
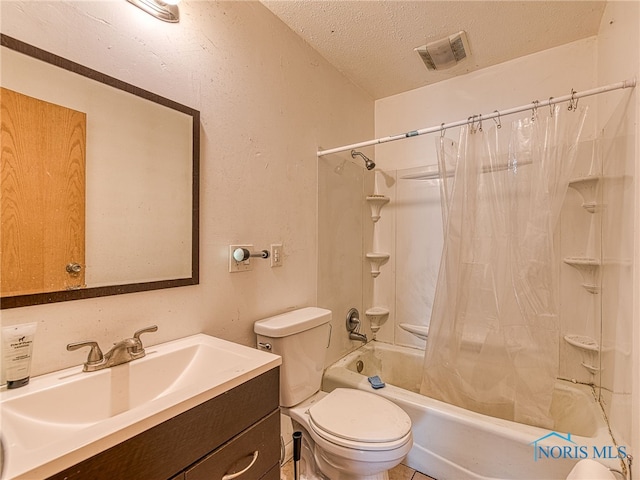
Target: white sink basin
[64, 417]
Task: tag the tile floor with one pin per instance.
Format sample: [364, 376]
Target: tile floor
[401, 472]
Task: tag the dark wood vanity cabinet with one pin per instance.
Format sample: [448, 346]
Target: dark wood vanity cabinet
[255, 447]
[219, 437]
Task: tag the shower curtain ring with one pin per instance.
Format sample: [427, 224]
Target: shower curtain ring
[551, 107]
[534, 111]
[480, 123]
[442, 130]
[498, 122]
[474, 125]
[471, 120]
[573, 102]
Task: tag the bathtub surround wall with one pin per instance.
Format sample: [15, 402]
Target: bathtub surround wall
[618, 126]
[611, 148]
[344, 219]
[267, 100]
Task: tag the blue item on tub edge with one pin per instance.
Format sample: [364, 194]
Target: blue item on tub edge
[376, 382]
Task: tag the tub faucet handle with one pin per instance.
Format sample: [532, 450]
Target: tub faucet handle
[353, 320]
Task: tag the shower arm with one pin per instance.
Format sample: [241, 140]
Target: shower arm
[354, 153]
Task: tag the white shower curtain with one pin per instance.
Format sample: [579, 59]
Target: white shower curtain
[494, 333]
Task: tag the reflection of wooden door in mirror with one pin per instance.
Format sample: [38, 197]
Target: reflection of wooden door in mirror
[42, 196]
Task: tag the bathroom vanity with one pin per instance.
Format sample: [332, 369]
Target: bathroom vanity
[194, 408]
[219, 437]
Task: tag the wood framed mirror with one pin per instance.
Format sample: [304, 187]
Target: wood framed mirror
[100, 183]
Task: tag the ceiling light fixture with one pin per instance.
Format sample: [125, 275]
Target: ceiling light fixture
[166, 10]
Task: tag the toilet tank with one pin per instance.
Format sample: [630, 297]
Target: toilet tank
[301, 338]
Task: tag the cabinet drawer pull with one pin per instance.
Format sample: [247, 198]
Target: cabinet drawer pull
[231, 476]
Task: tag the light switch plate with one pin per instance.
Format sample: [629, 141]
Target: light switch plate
[276, 255]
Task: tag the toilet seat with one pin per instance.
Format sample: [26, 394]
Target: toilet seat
[360, 420]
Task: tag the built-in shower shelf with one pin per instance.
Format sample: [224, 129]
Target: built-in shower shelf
[589, 350]
[377, 317]
[420, 331]
[376, 260]
[376, 202]
[593, 369]
[587, 187]
[583, 342]
[588, 268]
[428, 175]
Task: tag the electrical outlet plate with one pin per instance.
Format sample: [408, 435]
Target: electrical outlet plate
[239, 266]
[276, 255]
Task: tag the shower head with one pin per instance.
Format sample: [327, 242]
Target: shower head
[367, 161]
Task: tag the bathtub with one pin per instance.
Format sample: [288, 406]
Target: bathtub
[454, 443]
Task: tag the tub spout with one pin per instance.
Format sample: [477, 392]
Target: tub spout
[358, 336]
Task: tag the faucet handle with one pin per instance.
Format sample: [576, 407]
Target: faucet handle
[139, 348]
[95, 354]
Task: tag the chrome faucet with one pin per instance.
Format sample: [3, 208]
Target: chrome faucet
[358, 336]
[122, 352]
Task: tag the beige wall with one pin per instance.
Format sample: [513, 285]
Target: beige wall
[343, 222]
[267, 102]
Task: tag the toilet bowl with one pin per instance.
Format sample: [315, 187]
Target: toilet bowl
[348, 434]
[354, 434]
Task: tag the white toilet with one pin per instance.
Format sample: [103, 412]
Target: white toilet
[347, 434]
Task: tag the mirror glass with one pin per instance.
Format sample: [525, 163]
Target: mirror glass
[120, 214]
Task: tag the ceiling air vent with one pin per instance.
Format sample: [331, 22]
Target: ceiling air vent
[446, 52]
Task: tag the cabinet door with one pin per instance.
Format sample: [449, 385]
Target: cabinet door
[255, 451]
[273, 474]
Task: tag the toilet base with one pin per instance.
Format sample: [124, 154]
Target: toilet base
[307, 467]
[313, 464]
[334, 472]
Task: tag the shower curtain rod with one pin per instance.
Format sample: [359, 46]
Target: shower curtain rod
[574, 96]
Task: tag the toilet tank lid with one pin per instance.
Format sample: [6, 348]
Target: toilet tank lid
[292, 322]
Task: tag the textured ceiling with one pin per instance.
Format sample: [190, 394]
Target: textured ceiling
[372, 42]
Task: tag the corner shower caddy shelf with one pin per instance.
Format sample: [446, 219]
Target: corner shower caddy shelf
[589, 348]
[587, 187]
[376, 260]
[588, 268]
[377, 316]
[376, 202]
